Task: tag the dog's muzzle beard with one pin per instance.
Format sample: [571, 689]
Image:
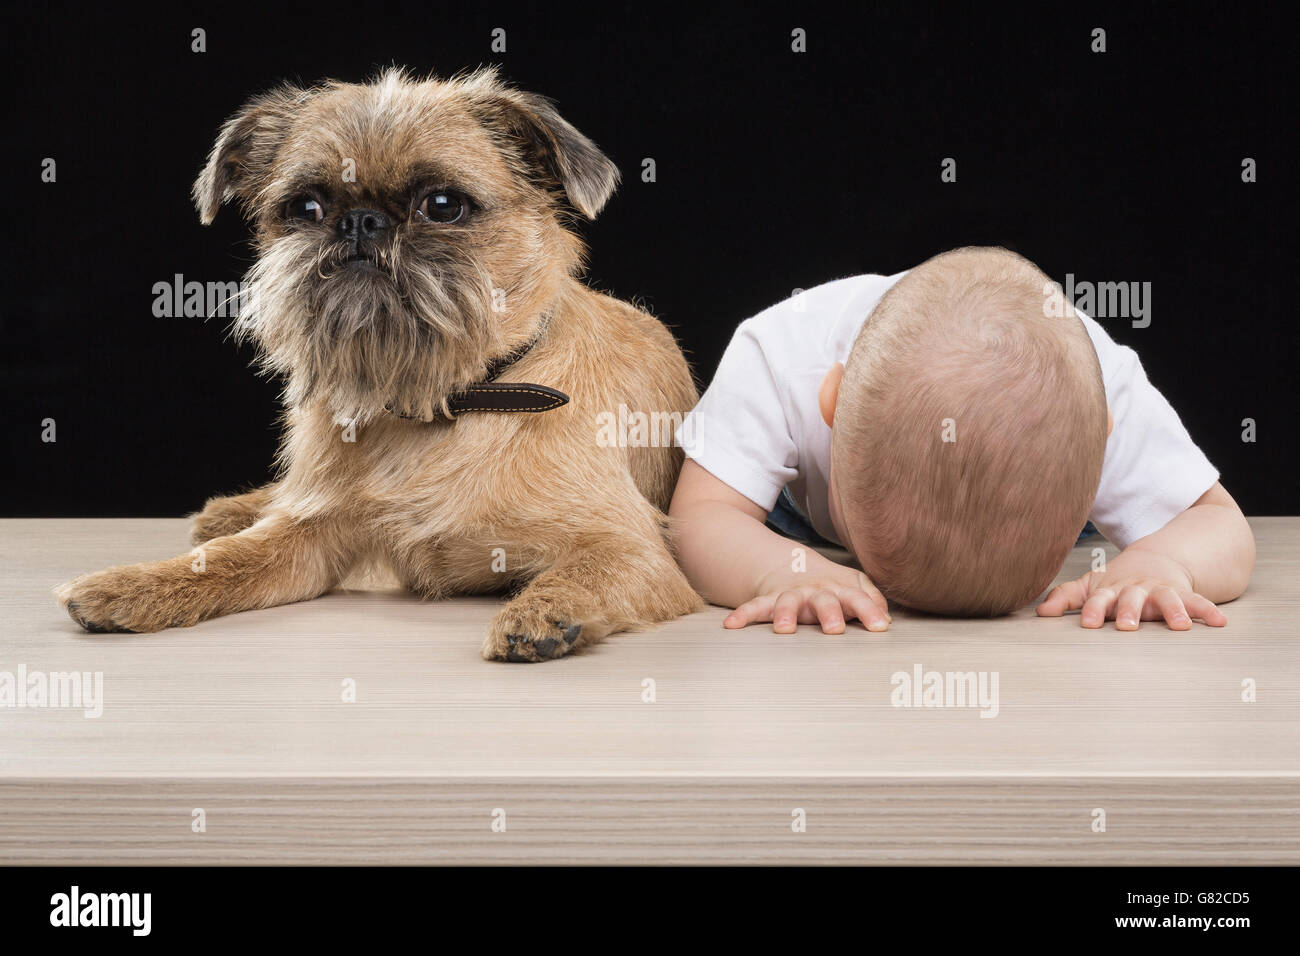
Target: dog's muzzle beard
[364, 340]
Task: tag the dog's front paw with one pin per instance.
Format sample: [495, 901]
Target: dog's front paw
[125, 599]
[225, 516]
[528, 633]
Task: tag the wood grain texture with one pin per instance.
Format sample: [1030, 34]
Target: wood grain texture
[243, 717]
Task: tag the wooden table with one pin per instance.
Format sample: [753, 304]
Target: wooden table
[240, 724]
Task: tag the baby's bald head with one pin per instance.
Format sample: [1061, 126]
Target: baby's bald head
[969, 433]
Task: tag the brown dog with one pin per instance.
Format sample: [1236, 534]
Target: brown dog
[415, 276]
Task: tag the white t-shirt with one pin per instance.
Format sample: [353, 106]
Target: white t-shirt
[758, 427]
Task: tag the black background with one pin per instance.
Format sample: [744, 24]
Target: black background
[328, 908]
[775, 171]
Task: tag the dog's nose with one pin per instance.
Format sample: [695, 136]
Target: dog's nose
[358, 224]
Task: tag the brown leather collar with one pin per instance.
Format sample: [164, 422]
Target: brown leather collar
[490, 395]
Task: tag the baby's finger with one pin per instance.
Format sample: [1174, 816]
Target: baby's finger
[827, 607]
[1128, 607]
[755, 609]
[1064, 597]
[1206, 610]
[1170, 606]
[860, 605]
[785, 614]
[873, 592]
[1097, 607]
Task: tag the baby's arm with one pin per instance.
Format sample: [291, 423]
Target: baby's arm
[733, 559]
[1202, 557]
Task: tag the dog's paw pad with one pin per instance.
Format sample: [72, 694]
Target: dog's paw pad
[525, 649]
[94, 627]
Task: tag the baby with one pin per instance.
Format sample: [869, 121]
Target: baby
[954, 427]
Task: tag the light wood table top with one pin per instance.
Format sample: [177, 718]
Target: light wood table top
[244, 717]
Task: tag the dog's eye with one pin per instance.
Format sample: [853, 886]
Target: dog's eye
[443, 205]
[305, 208]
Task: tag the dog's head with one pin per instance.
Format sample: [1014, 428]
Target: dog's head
[409, 231]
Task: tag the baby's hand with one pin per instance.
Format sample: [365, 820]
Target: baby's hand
[1136, 586]
[787, 598]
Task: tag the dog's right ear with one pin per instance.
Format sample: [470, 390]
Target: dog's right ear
[560, 153]
[245, 148]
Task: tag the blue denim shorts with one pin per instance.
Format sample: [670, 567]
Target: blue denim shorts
[786, 519]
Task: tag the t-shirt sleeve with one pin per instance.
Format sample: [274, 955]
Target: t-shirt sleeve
[739, 432]
[1153, 471]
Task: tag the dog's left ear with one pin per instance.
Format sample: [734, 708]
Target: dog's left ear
[244, 149]
[560, 152]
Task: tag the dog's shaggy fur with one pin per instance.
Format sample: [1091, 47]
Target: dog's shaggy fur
[416, 314]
